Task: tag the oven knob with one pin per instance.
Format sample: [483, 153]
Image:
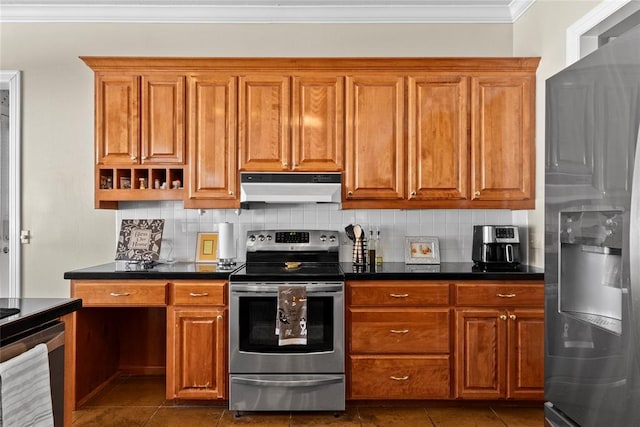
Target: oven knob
[261, 237]
[332, 238]
[252, 238]
[323, 238]
[269, 237]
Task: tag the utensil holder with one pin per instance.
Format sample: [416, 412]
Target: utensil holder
[360, 251]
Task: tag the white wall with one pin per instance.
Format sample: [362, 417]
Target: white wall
[68, 233]
[541, 31]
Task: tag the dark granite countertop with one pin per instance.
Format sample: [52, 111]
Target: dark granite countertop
[33, 313]
[443, 271]
[123, 270]
[386, 271]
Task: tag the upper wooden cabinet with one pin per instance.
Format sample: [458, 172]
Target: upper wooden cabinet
[375, 138]
[306, 135]
[438, 143]
[502, 139]
[213, 158]
[406, 132]
[140, 119]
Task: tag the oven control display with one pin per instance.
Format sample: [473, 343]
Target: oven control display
[292, 237]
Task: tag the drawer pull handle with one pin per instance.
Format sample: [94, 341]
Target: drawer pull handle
[399, 331]
[399, 295]
[405, 378]
[506, 295]
[203, 294]
[119, 294]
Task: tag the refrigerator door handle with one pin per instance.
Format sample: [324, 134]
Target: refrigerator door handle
[634, 242]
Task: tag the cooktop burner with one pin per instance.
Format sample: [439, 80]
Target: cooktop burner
[294, 255]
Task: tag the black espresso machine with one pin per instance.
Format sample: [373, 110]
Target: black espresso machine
[496, 247]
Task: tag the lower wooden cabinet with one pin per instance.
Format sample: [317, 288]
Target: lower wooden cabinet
[197, 340]
[400, 377]
[196, 346]
[499, 352]
[399, 340]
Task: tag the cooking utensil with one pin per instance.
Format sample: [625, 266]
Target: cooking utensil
[359, 256]
[350, 234]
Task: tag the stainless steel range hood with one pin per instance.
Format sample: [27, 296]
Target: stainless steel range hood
[290, 187]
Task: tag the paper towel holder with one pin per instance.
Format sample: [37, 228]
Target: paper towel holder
[225, 231]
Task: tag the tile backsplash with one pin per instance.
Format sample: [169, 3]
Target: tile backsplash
[453, 227]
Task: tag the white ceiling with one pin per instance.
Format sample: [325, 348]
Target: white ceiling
[260, 11]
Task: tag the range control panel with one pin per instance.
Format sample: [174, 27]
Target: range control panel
[292, 240]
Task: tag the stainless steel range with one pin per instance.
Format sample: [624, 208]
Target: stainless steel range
[268, 370]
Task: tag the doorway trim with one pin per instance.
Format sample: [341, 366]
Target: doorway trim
[578, 42]
[10, 80]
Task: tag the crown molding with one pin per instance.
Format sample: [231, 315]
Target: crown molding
[265, 11]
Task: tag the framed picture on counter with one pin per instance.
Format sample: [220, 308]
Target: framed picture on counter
[422, 250]
[139, 240]
[207, 250]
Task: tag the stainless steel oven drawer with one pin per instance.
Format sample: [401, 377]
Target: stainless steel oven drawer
[287, 392]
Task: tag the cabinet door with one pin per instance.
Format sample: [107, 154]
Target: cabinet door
[263, 116]
[117, 119]
[163, 119]
[196, 349]
[481, 353]
[317, 137]
[502, 138]
[438, 158]
[374, 142]
[212, 138]
[526, 354]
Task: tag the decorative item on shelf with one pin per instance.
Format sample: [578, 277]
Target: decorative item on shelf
[140, 240]
[175, 184]
[125, 182]
[226, 250]
[422, 250]
[378, 248]
[207, 247]
[156, 184]
[143, 183]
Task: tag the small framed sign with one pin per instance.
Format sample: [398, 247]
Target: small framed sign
[422, 250]
[207, 250]
[140, 240]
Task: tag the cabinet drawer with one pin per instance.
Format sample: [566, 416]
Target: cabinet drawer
[500, 295]
[198, 293]
[120, 293]
[385, 377]
[399, 331]
[399, 293]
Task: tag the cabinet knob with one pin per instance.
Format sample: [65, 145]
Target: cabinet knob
[477, 193]
[413, 193]
[285, 164]
[350, 193]
[219, 317]
[143, 157]
[133, 157]
[503, 317]
[512, 316]
[231, 192]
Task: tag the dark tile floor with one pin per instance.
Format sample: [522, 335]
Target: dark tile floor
[139, 401]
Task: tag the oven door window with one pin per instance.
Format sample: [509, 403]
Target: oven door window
[257, 318]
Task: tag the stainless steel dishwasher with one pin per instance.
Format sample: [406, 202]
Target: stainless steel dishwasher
[51, 334]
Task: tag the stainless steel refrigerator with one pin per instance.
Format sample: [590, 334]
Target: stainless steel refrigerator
[592, 239]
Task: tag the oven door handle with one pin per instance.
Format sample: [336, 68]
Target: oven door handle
[273, 290]
[288, 383]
